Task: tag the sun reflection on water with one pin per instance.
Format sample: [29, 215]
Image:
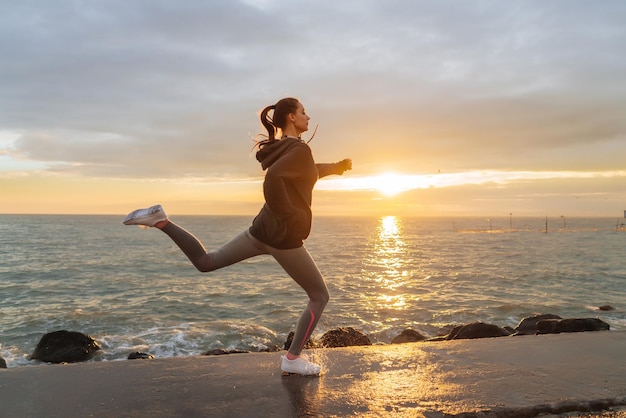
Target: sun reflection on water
[389, 227]
[386, 267]
[389, 246]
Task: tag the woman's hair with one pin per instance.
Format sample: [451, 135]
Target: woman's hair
[278, 120]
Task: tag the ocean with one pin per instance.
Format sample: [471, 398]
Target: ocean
[133, 290]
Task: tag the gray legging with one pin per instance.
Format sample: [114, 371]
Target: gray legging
[297, 262]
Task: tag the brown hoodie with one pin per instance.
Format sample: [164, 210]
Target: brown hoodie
[284, 222]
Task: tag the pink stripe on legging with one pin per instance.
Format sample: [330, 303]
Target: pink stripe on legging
[308, 330]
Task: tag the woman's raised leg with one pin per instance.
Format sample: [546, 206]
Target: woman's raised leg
[237, 249]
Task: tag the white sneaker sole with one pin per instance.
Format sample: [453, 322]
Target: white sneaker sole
[145, 217]
[299, 367]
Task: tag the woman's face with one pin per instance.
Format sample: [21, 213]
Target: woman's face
[301, 119]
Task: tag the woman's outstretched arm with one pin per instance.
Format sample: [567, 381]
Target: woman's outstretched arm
[326, 169]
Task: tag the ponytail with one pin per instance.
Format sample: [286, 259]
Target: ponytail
[268, 122]
[278, 119]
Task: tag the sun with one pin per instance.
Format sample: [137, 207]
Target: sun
[391, 184]
[387, 184]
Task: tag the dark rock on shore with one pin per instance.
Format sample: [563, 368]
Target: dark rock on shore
[528, 325]
[557, 326]
[221, 352]
[137, 355]
[508, 329]
[3, 363]
[344, 337]
[444, 331]
[309, 344]
[408, 336]
[606, 308]
[65, 347]
[477, 330]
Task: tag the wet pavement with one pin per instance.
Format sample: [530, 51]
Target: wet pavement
[507, 376]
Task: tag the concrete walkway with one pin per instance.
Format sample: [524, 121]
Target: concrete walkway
[508, 376]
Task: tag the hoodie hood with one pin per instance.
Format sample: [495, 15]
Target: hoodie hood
[273, 151]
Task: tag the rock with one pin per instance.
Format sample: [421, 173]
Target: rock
[556, 326]
[221, 352]
[453, 332]
[446, 329]
[476, 330]
[443, 332]
[344, 337]
[65, 347]
[606, 308]
[271, 349]
[438, 338]
[309, 343]
[528, 325]
[3, 363]
[408, 336]
[137, 355]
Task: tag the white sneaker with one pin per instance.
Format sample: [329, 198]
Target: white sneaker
[145, 217]
[299, 366]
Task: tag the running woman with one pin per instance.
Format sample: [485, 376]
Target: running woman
[281, 226]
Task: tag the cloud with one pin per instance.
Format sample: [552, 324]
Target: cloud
[394, 183]
[169, 89]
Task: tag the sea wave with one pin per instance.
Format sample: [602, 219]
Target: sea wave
[133, 290]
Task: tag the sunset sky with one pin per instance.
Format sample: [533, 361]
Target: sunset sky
[445, 107]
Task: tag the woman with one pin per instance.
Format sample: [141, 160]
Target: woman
[281, 226]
